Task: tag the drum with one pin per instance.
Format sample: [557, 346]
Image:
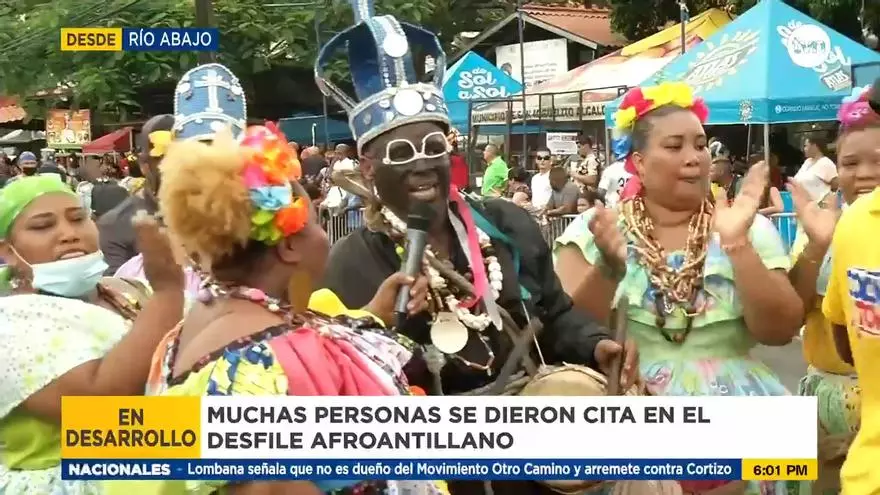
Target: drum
[570, 380]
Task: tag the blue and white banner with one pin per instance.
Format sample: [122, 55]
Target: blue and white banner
[401, 469]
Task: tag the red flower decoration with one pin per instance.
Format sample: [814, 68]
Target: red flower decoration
[700, 110]
[274, 129]
[633, 185]
[636, 99]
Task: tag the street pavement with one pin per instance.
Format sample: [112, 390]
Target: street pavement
[786, 361]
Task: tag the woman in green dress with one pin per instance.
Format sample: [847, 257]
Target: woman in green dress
[64, 330]
[705, 279]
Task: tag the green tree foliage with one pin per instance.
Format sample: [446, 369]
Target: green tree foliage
[636, 19]
[254, 38]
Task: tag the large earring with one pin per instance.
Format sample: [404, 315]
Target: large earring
[299, 290]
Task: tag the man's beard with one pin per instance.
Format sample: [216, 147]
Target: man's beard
[29, 171]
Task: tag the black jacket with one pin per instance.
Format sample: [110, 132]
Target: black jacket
[361, 261]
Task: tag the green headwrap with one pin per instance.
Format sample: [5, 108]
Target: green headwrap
[16, 196]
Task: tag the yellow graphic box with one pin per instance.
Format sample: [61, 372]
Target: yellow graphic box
[130, 428]
[91, 39]
[780, 469]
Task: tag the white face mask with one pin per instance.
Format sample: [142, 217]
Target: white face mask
[73, 277]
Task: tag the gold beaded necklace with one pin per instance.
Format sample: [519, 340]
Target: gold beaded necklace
[673, 288]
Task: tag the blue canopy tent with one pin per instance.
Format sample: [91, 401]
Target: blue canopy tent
[306, 129]
[773, 64]
[475, 78]
[865, 74]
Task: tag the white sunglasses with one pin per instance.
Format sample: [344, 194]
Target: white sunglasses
[436, 138]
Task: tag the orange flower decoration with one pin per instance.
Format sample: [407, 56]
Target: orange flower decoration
[292, 219]
[270, 166]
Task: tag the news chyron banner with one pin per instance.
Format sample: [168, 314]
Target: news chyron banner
[439, 438]
[139, 39]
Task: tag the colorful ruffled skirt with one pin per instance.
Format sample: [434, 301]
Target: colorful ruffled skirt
[729, 376]
[839, 398]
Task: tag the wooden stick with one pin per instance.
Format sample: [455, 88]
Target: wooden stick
[521, 346]
[619, 330]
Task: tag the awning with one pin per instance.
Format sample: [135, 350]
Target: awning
[772, 65]
[582, 93]
[10, 111]
[118, 141]
[20, 136]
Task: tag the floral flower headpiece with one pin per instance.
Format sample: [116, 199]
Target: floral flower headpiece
[636, 103]
[639, 101]
[855, 109]
[270, 166]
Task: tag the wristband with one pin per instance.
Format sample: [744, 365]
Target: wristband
[732, 247]
[809, 256]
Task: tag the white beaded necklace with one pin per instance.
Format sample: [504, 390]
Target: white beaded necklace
[478, 322]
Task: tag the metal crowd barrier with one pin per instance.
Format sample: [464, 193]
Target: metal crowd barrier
[786, 224]
[554, 227]
[341, 225]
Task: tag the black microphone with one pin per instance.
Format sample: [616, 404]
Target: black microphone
[417, 224]
[874, 97]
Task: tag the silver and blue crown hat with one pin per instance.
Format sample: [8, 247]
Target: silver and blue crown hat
[208, 99]
[387, 91]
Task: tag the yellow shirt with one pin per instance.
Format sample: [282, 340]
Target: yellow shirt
[818, 343]
[327, 302]
[853, 299]
[716, 190]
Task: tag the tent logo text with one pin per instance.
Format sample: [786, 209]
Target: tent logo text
[809, 46]
[481, 84]
[717, 61]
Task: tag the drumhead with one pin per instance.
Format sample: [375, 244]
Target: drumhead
[568, 380]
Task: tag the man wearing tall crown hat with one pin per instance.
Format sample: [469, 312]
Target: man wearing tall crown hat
[207, 99]
[401, 126]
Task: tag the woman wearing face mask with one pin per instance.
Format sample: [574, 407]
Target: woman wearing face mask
[829, 377]
[27, 163]
[706, 280]
[62, 330]
[239, 210]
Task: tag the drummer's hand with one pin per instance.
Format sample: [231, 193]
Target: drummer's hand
[608, 350]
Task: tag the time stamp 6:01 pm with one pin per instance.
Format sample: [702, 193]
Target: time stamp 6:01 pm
[780, 469]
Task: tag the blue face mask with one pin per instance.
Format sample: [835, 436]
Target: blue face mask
[74, 277]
